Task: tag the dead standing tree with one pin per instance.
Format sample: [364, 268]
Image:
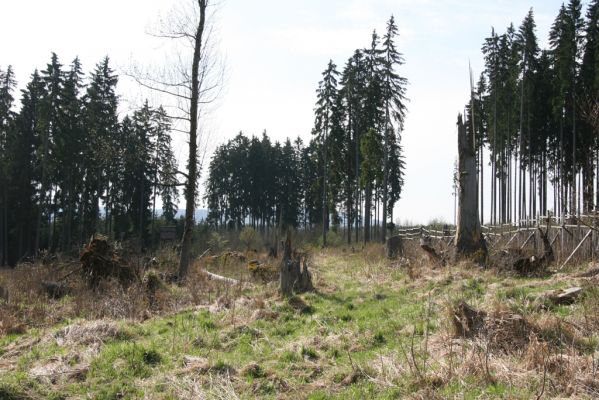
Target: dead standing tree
[469, 240]
[193, 84]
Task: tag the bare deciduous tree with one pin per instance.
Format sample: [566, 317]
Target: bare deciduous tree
[192, 82]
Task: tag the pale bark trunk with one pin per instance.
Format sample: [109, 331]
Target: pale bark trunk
[191, 187]
[469, 239]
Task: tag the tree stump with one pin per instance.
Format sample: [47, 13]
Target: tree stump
[427, 245]
[467, 321]
[394, 247]
[295, 277]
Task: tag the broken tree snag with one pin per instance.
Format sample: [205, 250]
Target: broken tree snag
[394, 247]
[469, 240]
[295, 277]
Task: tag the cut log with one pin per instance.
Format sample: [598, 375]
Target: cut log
[394, 247]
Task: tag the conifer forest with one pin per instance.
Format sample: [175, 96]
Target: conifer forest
[146, 252]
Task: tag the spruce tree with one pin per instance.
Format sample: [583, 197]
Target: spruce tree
[393, 89]
[325, 108]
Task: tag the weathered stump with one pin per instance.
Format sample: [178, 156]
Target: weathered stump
[295, 277]
[394, 247]
[467, 321]
[427, 246]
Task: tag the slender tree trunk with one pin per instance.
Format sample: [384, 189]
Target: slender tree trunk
[43, 190]
[324, 186]
[386, 145]
[191, 187]
[357, 177]
[573, 192]
[367, 211]
[597, 178]
[482, 185]
[4, 228]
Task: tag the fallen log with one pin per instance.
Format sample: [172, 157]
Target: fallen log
[220, 278]
[564, 296]
[589, 274]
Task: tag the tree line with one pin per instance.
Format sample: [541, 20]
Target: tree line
[70, 167]
[349, 175]
[532, 110]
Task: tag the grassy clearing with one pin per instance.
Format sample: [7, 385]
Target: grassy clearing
[371, 330]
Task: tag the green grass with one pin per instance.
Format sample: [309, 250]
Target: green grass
[364, 312]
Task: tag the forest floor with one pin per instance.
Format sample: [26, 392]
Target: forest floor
[373, 328]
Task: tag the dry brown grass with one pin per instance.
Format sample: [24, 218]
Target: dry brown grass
[28, 305]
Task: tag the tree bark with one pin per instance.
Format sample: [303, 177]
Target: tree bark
[469, 239]
[367, 211]
[294, 274]
[191, 186]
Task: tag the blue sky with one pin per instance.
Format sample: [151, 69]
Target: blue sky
[275, 52]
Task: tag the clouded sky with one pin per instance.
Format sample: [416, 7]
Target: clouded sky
[275, 51]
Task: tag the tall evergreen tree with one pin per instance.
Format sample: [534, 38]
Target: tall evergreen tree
[393, 89]
[7, 130]
[325, 108]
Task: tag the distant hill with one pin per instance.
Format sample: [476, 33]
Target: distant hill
[200, 214]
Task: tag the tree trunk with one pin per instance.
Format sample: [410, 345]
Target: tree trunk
[191, 186]
[367, 211]
[325, 210]
[385, 195]
[469, 239]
